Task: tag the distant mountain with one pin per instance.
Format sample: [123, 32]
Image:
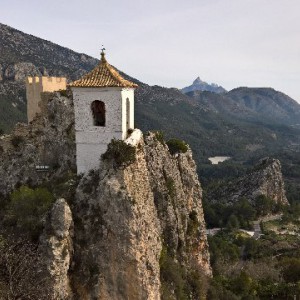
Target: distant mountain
[268, 104]
[199, 85]
[259, 105]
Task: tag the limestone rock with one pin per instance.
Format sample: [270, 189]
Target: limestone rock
[178, 198]
[118, 237]
[265, 179]
[20, 71]
[56, 249]
[48, 141]
[124, 217]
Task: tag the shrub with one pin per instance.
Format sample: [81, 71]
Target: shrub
[193, 223]
[263, 205]
[171, 187]
[63, 93]
[17, 141]
[160, 136]
[172, 276]
[28, 206]
[177, 146]
[120, 153]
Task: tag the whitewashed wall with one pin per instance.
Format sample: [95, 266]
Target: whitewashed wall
[92, 141]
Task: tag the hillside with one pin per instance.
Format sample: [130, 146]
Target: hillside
[257, 105]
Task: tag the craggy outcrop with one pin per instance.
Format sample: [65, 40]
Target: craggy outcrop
[56, 249]
[264, 179]
[177, 195]
[125, 216]
[48, 141]
[133, 223]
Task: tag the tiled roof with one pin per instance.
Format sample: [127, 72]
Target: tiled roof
[104, 75]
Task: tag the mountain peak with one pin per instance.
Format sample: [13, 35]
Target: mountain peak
[197, 80]
[200, 85]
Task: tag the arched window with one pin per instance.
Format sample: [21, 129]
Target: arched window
[98, 110]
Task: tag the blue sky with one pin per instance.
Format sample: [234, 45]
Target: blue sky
[233, 43]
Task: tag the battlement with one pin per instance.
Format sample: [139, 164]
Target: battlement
[37, 85]
[46, 80]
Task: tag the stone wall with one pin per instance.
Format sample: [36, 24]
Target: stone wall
[37, 85]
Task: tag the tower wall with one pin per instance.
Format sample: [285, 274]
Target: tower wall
[35, 86]
[92, 141]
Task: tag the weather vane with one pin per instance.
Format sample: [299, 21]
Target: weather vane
[102, 49]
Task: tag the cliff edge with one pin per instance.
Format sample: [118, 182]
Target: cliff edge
[129, 230]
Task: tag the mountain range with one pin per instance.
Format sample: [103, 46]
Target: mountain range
[244, 123]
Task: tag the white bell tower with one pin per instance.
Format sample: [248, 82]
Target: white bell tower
[104, 109]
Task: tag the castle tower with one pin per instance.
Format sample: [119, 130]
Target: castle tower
[104, 109]
[37, 85]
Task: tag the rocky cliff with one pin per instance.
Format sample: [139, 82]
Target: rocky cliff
[48, 142]
[264, 179]
[130, 231]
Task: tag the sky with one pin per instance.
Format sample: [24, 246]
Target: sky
[233, 43]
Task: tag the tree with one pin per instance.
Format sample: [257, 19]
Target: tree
[291, 269]
[233, 223]
[20, 268]
[263, 205]
[28, 206]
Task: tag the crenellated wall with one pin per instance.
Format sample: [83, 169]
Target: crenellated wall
[35, 86]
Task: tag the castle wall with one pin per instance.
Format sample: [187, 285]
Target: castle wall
[92, 141]
[35, 86]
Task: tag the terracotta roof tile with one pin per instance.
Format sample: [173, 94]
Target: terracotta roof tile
[104, 75]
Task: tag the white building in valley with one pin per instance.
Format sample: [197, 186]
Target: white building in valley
[104, 109]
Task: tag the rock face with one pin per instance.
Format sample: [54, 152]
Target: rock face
[56, 249]
[132, 223]
[265, 179]
[125, 217]
[48, 141]
[20, 71]
[177, 192]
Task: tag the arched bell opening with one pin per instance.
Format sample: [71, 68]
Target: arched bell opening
[98, 110]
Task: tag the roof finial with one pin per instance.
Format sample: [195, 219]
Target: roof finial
[103, 59]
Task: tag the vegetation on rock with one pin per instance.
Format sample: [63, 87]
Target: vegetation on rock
[177, 146]
[120, 153]
[27, 207]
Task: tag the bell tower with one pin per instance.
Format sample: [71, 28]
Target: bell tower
[104, 109]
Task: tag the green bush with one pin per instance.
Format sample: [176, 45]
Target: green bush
[177, 146]
[28, 206]
[193, 224]
[160, 136]
[172, 276]
[17, 141]
[170, 184]
[63, 93]
[264, 205]
[120, 153]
